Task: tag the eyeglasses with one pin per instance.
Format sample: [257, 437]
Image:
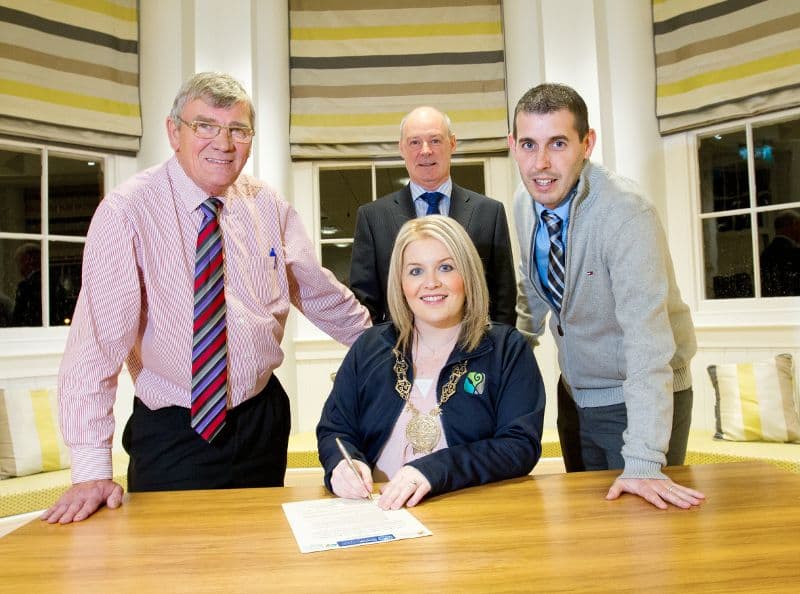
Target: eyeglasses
[207, 131]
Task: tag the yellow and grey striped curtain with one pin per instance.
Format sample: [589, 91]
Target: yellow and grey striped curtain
[69, 72]
[358, 66]
[721, 60]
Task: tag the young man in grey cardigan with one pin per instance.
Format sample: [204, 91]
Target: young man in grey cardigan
[594, 254]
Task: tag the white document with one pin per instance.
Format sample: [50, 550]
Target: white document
[324, 524]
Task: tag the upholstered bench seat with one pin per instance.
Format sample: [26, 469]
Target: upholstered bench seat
[704, 449]
[303, 451]
[551, 447]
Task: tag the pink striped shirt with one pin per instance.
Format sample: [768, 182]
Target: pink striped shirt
[136, 301]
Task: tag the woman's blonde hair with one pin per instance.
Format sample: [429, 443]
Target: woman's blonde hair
[468, 263]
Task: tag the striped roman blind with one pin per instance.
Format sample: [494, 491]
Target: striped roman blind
[720, 60]
[69, 72]
[358, 66]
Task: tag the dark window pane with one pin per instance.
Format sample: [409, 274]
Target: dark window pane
[723, 172]
[779, 241]
[777, 162]
[336, 258]
[341, 192]
[21, 289]
[76, 188]
[390, 179]
[21, 284]
[468, 175]
[20, 192]
[65, 280]
[728, 257]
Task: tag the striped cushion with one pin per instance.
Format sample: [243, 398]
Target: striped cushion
[30, 440]
[755, 401]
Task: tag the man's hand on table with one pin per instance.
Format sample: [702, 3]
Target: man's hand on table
[82, 500]
[659, 492]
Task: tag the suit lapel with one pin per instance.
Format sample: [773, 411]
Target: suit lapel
[460, 206]
[403, 207]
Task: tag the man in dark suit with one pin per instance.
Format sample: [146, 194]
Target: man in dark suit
[426, 144]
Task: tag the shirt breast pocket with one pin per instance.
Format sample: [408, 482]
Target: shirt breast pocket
[263, 272]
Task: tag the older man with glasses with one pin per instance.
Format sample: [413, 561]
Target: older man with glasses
[189, 270]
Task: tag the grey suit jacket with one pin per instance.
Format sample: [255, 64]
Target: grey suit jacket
[378, 223]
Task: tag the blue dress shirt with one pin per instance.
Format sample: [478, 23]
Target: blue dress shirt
[422, 207]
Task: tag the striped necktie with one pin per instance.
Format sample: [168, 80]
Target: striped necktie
[209, 345]
[555, 261]
[432, 198]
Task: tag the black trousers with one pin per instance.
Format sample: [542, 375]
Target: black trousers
[166, 454]
[591, 438]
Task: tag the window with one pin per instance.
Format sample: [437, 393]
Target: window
[345, 187]
[47, 199]
[750, 209]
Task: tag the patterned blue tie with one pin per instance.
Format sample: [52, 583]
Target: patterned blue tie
[209, 346]
[432, 198]
[555, 262]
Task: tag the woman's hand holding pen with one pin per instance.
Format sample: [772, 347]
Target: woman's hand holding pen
[407, 487]
[346, 484]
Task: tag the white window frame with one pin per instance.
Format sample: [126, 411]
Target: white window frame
[742, 312]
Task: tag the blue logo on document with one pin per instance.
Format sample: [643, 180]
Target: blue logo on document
[475, 382]
[365, 540]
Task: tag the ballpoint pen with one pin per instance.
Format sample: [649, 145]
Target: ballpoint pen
[352, 466]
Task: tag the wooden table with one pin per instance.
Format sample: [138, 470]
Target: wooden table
[545, 533]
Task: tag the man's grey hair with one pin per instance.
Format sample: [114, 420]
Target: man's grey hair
[215, 88]
[447, 123]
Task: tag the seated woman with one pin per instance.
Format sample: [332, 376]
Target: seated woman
[439, 399]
